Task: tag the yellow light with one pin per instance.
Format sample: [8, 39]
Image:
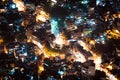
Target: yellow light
[1, 40]
[114, 15]
[42, 16]
[3, 0]
[119, 15]
[20, 5]
[92, 42]
[5, 50]
[116, 31]
[98, 60]
[110, 76]
[40, 69]
[50, 52]
[28, 40]
[109, 67]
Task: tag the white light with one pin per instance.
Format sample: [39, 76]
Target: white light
[25, 54]
[116, 31]
[10, 24]
[82, 34]
[54, 1]
[13, 6]
[97, 2]
[101, 36]
[72, 40]
[84, 2]
[103, 42]
[60, 72]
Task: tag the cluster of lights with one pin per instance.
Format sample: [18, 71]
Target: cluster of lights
[42, 16]
[98, 60]
[19, 4]
[84, 2]
[114, 33]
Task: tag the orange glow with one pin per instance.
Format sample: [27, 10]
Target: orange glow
[3, 0]
[46, 50]
[114, 33]
[5, 50]
[49, 52]
[119, 15]
[98, 60]
[28, 40]
[2, 10]
[110, 76]
[1, 40]
[12, 65]
[109, 67]
[40, 69]
[42, 16]
[20, 5]
[23, 23]
[92, 42]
